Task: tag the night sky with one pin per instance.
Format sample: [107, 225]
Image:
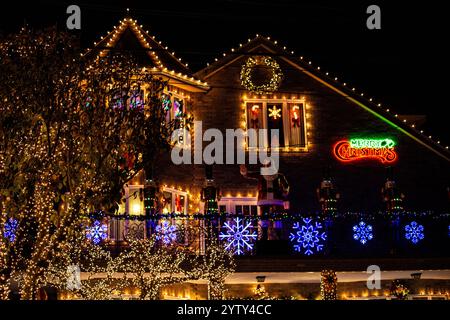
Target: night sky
[404, 65]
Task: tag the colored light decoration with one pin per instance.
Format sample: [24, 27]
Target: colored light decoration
[97, 232]
[275, 113]
[414, 232]
[166, 102]
[360, 149]
[117, 102]
[177, 108]
[137, 100]
[308, 237]
[166, 232]
[362, 232]
[239, 236]
[10, 229]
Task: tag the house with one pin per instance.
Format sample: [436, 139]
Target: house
[313, 111]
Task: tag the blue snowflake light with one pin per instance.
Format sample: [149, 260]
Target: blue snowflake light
[10, 229]
[362, 232]
[97, 232]
[166, 232]
[414, 232]
[238, 235]
[308, 237]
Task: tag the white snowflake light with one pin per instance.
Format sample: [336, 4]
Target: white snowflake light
[97, 232]
[238, 236]
[362, 232]
[308, 237]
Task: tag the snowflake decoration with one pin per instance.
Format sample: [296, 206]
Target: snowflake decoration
[238, 236]
[166, 232]
[308, 236]
[275, 112]
[10, 229]
[362, 232]
[97, 232]
[414, 232]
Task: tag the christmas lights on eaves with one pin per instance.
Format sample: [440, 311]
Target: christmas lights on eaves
[335, 79]
[142, 35]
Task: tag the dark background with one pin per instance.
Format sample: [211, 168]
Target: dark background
[404, 65]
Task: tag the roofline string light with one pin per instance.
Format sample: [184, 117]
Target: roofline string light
[361, 95]
[140, 33]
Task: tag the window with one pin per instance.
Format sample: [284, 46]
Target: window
[286, 115]
[132, 100]
[238, 205]
[174, 201]
[174, 104]
[136, 99]
[175, 107]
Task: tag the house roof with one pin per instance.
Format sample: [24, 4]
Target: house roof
[152, 55]
[267, 46]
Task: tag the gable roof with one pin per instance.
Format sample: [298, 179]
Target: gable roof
[266, 46]
[150, 54]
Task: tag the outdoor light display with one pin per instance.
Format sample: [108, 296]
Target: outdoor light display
[137, 100]
[97, 232]
[166, 232]
[360, 149]
[414, 232]
[10, 229]
[308, 237]
[238, 235]
[328, 285]
[268, 62]
[362, 232]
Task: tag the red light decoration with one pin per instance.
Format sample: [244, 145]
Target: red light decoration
[360, 149]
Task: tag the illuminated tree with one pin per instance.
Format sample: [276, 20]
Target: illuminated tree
[70, 138]
[150, 267]
[215, 265]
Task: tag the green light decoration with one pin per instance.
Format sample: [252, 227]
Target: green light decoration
[372, 143]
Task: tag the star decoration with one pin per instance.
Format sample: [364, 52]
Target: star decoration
[275, 112]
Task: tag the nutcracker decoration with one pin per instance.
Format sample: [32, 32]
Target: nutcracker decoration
[327, 194]
[391, 194]
[210, 193]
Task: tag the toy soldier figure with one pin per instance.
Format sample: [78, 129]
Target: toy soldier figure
[273, 190]
[327, 195]
[210, 193]
[391, 194]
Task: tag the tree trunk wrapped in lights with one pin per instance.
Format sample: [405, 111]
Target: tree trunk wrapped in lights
[72, 133]
[215, 265]
[328, 285]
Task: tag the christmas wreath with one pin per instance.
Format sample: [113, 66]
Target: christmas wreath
[271, 85]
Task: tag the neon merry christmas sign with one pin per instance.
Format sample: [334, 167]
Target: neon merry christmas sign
[359, 149]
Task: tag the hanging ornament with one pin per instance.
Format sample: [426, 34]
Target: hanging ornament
[270, 86]
[275, 113]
